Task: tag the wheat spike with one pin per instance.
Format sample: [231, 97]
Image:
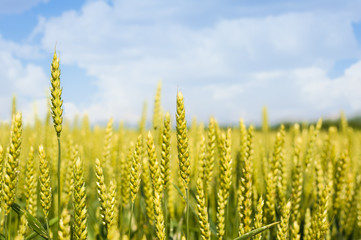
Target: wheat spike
[125, 174]
[148, 190]
[246, 185]
[111, 204]
[136, 169]
[283, 227]
[210, 152]
[11, 173]
[80, 206]
[221, 207]
[157, 107]
[55, 91]
[278, 166]
[1, 174]
[296, 193]
[45, 188]
[202, 211]
[226, 165]
[182, 141]
[23, 226]
[225, 182]
[31, 184]
[202, 160]
[307, 235]
[154, 165]
[69, 183]
[102, 193]
[165, 154]
[159, 217]
[64, 231]
[107, 148]
[258, 217]
[340, 181]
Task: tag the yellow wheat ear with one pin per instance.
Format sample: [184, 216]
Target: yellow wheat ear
[57, 114]
[1, 174]
[202, 211]
[45, 188]
[31, 184]
[80, 222]
[182, 141]
[56, 90]
[11, 171]
[135, 170]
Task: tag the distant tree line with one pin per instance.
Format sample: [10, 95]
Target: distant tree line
[354, 123]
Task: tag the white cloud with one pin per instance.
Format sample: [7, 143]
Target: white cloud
[229, 67]
[328, 93]
[25, 80]
[20, 51]
[225, 92]
[297, 94]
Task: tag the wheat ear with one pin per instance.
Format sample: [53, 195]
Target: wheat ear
[136, 169]
[80, 206]
[57, 114]
[64, 231]
[165, 154]
[31, 184]
[202, 211]
[11, 173]
[45, 188]
[183, 151]
[102, 193]
[283, 227]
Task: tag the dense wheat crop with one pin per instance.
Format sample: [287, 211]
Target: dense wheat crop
[175, 180]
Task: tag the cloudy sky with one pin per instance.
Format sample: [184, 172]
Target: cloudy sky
[301, 59]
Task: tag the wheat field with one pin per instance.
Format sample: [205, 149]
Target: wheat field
[191, 181]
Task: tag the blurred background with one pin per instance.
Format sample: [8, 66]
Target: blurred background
[301, 59]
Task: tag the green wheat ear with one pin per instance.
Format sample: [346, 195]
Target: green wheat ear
[56, 90]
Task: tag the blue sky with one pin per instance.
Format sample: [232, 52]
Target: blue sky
[302, 59]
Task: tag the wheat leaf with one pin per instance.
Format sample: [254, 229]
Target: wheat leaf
[256, 231]
[32, 221]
